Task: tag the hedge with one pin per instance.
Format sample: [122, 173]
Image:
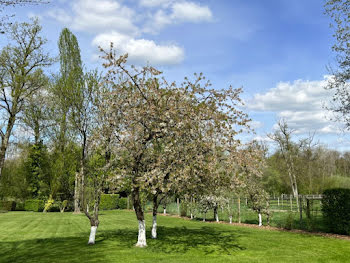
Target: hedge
[109, 201]
[336, 210]
[123, 203]
[34, 205]
[8, 205]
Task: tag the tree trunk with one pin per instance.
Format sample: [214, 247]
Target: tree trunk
[204, 217]
[239, 210]
[76, 194]
[5, 141]
[154, 227]
[94, 222]
[216, 216]
[154, 213]
[260, 219]
[164, 211]
[141, 241]
[93, 231]
[230, 219]
[292, 178]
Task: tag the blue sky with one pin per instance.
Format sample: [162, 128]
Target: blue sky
[277, 50]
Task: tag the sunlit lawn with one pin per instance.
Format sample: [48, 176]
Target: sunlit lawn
[56, 237]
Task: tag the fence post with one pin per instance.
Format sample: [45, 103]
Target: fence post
[282, 201]
[308, 208]
[128, 203]
[239, 210]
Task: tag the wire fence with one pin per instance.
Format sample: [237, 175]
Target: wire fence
[285, 211]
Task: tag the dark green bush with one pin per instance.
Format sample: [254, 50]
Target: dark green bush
[289, 221]
[123, 203]
[54, 208]
[109, 201]
[20, 206]
[8, 205]
[336, 210]
[34, 205]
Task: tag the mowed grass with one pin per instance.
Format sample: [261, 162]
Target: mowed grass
[56, 237]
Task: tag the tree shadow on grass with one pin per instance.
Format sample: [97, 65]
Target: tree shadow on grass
[69, 249]
[171, 240]
[206, 239]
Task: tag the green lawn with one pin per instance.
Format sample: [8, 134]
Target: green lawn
[55, 237]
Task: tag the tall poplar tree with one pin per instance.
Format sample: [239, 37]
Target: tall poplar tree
[70, 78]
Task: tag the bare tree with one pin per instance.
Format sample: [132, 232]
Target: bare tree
[7, 3]
[288, 149]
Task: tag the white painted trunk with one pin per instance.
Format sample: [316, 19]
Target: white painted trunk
[191, 216]
[92, 235]
[141, 241]
[217, 217]
[154, 227]
[164, 212]
[260, 220]
[230, 219]
[204, 218]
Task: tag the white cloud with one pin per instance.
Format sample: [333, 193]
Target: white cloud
[60, 15]
[141, 50]
[95, 16]
[172, 12]
[191, 12]
[155, 3]
[300, 103]
[115, 21]
[262, 139]
[299, 95]
[256, 124]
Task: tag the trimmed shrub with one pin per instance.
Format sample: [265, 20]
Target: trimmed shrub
[336, 210]
[109, 201]
[34, 205]
[123, 203]
[8, 205]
